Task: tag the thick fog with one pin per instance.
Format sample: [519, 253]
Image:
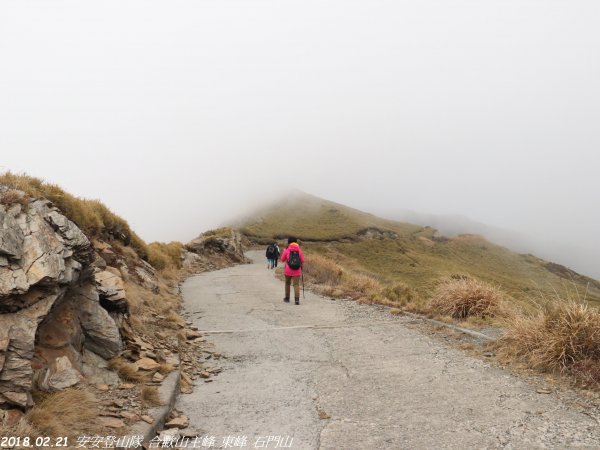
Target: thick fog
[181, 115]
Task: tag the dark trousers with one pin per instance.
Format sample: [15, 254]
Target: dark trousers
[288, 281]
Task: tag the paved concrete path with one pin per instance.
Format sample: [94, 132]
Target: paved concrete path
[383, 384]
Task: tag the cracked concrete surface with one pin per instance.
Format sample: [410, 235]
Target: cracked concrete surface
[383, 384]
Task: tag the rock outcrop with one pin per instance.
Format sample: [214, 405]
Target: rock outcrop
[62, 299]
[42, 254]
[146, 275]
[214, 249]
[377, 233]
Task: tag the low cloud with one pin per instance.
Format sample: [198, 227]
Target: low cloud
[183, 116]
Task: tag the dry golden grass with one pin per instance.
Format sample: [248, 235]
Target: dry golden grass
[361, 286]
[171, 274]
[164, 256]
[401, 294]
[174, 320]
[321, 270]
[562, 336]
[221, 232]
[586, 371]
[137, 323]
[126, 370]
[143, 302]
[138, 298]
[126, 252]
[13, 197]
[22, 429]
[166, 369]
[66, 413]
[330, 278]
[150, 396]
[465, 297]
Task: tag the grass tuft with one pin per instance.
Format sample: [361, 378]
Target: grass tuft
[13, 197]
[330, 278]
[126, 370]
[65, 413]
[151, 396]
[322, 270]
[561, 336]
[165, 256]
[586, 371]
[166, 368]
[400, 294]
[463, 297]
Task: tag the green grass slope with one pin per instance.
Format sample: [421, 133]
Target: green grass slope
[314, 219]
[418, 256]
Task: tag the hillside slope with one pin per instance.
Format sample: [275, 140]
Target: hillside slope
[416, 255]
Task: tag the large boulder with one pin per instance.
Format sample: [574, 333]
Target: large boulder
[190, 260]
[75, 328]
[111, 289]
[59, 375]
[95, 368]
[40, 248]
[100, 329]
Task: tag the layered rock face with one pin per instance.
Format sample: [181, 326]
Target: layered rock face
[60, 302]
[213, 250]
[63, 299]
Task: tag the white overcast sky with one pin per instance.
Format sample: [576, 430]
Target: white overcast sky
[182, 114]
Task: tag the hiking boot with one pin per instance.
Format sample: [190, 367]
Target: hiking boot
[297, 301]
[286, 299]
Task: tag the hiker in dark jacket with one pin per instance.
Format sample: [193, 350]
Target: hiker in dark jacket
[277, 254]
[271, 256]
[293, 258]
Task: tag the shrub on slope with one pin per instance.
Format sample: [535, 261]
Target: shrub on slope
[563, 335]
[464, 297]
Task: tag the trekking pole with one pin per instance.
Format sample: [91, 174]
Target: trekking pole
[303, 296]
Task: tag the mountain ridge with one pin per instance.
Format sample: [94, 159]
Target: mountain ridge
[569, 254]
[419, 255]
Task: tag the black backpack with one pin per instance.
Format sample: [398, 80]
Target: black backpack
[270, 251]
[294, 261]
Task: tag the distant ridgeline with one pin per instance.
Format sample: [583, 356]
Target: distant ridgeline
[418, 256]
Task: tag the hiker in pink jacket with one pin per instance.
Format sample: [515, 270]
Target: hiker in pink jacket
[293, 258]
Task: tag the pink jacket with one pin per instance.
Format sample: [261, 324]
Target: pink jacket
[284, 257]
